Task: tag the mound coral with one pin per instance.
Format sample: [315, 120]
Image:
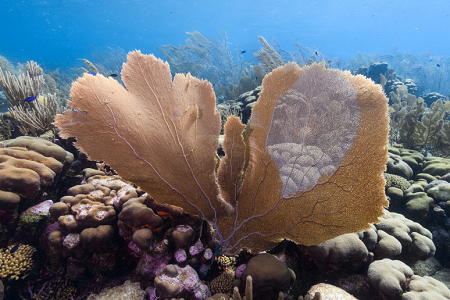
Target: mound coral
[308, 167]
[27, 166]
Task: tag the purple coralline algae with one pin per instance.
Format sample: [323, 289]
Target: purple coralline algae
[71, 240]
[239, 270]
[33, 215]
[196, 249]
[174, 281]
[41, 208]
[113, 182]
[180, 256]
[151, 264]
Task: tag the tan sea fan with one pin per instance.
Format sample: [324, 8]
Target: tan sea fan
[308, 167]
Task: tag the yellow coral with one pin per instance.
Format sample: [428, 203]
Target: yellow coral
[16, 264]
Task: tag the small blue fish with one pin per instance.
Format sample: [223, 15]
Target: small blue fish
[93, 74]
[443, 216]
[243, 51]
[14, 249]
[29, 99]
[438, 65]
[113, 75]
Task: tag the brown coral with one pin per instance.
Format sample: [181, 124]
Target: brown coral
[97, 238]
[136, 214]
[28, 165]
[222, 284]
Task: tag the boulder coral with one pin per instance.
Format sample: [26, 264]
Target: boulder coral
[393, 277]
[389, 276]
[269, 276]
[28, 166]
[395, 230]
[174, 281]
[394, 237]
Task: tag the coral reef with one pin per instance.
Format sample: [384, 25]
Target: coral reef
[91, 234]
[31, 170]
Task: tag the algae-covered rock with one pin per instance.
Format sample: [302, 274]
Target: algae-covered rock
[417, 202]
[436, 166]
[413, 158]
[424, 176]
[397, 166]
[439, 190]
[417, 205]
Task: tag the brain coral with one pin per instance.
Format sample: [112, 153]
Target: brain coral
[396, 181]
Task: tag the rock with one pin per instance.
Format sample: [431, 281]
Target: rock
[397, 166]
[439, 190]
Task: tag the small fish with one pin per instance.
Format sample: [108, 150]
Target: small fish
[113, 75]
[93, 74]
[438, 65]
[29, 99]
[14, 249]
[443, 216]
[431, 59]
[243, 51]
[317, 53]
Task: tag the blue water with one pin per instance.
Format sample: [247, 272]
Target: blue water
[57, 33]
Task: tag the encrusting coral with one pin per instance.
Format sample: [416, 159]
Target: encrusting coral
[315, 149]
